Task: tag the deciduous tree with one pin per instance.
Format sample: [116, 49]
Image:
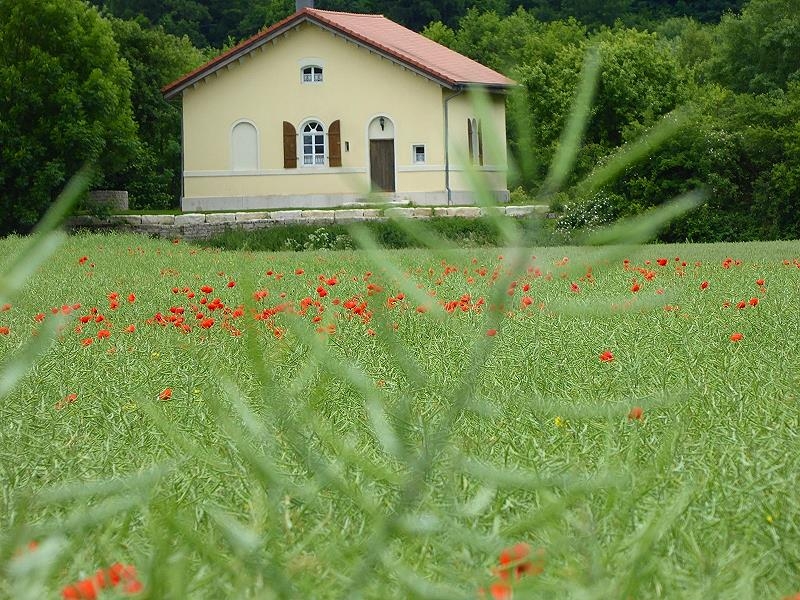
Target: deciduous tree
[64, 101]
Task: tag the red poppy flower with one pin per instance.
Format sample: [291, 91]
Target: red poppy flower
[4, 330]
[635, 287]
[130, 328]
[741, 304]
[87, 341]
[491, 332]
[759, 282]
[131, 298]
[207, 323]
[574, 287]
[39, 317]
[103, 333]
[231, 284]
[500, 591]
[5, 307]
[606, 356]
[636, 414]
[735, 337]
[66, 401]
[753, 301]
[662, 261]
[165, 394]
[206, 289]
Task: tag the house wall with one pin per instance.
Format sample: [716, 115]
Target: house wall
[265, 88]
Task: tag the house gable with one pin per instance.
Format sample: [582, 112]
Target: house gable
[376, 33]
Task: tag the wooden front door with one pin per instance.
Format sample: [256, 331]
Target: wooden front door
[381, 165]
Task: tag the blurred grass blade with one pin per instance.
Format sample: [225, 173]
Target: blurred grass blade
[633, 152]
[43, 244]
[36, 251]
[641, 228]
[17, 367]
[81, 490]
[28, 573]
[242, 539]
[572, 135]
[66, 200]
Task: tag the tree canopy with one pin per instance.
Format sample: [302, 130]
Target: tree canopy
[64, 101]
[214, 22]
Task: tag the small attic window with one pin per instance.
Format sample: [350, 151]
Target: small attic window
[312, 74]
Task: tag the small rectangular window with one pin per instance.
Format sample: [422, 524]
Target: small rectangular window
[418, 151]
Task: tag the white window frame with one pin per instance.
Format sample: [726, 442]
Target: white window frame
[415, 155]
[314, 76]
[317, 159]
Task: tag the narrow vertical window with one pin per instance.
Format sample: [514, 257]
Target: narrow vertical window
[475, 137]
[244, 147]
[313, 144]
[418, 153]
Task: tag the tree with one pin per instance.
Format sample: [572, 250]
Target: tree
[758, 50]
[155, 58]
[640, 80]
[64, 101]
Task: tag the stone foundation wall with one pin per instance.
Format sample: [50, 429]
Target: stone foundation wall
[199, 226]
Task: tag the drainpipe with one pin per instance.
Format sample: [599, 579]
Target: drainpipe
[183, 160]
[458, 92]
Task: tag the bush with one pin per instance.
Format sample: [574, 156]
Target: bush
[466, 233]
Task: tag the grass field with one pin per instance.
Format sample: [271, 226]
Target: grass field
[383, 425]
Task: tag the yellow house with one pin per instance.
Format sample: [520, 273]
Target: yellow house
[327, 109]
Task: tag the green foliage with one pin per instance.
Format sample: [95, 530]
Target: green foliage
[462, 232]
[64, 101]
[758, 51]
[640, 80]
[155, 58]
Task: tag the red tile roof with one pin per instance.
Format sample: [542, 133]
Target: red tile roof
[376, 32]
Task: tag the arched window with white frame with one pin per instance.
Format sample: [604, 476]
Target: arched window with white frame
[313, 144]
[244, 147]
[311, 74]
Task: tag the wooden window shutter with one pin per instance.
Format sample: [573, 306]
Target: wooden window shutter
[335, 145]
[289, 146]
[480, 144]
[469, 137]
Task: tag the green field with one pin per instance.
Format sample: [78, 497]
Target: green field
[382, 425]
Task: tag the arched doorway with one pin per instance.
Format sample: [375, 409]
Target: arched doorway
[381, 154]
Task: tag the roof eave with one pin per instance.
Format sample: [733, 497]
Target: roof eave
[234, 54]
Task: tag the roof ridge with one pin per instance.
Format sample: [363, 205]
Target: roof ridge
[343, 12]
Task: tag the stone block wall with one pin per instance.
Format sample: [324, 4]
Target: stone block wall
[199, 226]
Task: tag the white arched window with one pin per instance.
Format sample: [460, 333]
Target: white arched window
[312, 74]
[313, 138]
[244, 147]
